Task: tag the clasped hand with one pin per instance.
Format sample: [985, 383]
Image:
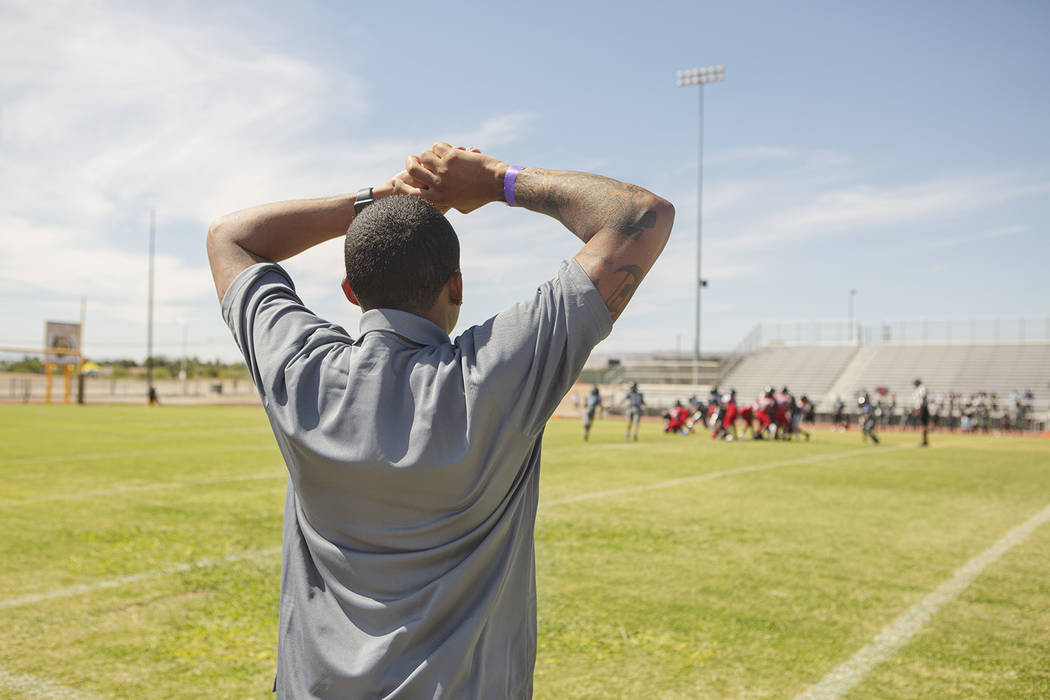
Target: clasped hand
[452, 177]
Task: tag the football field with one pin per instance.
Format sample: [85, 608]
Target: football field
[141, 560]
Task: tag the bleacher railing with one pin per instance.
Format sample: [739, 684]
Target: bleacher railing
[811, 332]
[962, 331]
[987, 330]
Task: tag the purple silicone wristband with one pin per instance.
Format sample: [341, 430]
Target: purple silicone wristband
[508, 184]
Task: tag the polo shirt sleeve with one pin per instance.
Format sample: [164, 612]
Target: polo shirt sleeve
[283, 343]
[522, 361]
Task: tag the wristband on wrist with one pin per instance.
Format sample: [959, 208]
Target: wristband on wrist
[508, 184]
[362, 199]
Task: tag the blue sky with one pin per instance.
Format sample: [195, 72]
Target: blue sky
[900, 149]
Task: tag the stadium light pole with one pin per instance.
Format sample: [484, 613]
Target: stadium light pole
[687, 78]
[149, 312]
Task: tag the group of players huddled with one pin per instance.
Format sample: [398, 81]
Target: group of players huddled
[775, 415]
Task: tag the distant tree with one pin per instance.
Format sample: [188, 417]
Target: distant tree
[164, 366]
[27, 364]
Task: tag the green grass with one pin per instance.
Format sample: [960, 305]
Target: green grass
[751, 584]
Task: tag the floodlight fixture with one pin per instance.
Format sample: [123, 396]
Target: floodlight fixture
[701, 76]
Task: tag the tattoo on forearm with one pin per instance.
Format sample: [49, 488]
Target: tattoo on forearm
[624, 290]
[635, 231]
[586, 203]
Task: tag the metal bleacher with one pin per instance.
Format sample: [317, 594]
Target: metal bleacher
[809, 369]
[960, 369]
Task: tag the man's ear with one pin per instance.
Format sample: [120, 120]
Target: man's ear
[455, 288]
[350, 296]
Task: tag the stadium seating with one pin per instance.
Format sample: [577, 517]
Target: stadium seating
[962, 369]
[809, 369]
[826, 371]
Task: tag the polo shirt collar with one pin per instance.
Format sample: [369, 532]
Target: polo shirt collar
[407, 325]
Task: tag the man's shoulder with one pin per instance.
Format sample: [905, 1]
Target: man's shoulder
[249, 278]
[272, 326]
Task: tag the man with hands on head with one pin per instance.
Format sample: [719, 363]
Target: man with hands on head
[407, 559]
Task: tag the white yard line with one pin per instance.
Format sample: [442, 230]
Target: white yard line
[39, 688]
[144, 487]
[898, 633]
[80, 588]
[717, 475]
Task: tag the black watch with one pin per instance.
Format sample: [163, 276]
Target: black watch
[362, 199]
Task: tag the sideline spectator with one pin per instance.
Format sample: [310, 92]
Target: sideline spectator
[922, 410]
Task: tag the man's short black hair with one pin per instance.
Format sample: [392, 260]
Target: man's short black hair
[400, 252]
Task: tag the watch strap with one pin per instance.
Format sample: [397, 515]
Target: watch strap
[362, 199]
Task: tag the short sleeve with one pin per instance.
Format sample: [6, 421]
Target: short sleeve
[526, 358]
[283, 342]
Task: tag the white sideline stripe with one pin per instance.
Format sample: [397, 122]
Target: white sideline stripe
[133, 578]
[33, 687]
[898, 633]
[717, 475]
[135, 453]
[144, 487]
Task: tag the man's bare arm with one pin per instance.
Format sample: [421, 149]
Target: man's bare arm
[624, 227]
[275, 232]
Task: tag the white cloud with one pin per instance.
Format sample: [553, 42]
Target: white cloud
[115, 278]
[860, 208]
[964, 238]
[750, 154]
[495, 131]
[109, 110]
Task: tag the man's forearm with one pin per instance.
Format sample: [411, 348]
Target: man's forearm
[282, 229]
[586, 203]
[275, 232]
[624, 227]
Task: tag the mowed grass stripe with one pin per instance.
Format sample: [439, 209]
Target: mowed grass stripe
[186, 566]
[233, 478]
[21, 462]
[898, 633]
[39, 688]
[553, 502]
[82, 588]
[715, 475]
[31, 434]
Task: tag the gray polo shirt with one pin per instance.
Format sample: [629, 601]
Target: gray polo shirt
[407, 562]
